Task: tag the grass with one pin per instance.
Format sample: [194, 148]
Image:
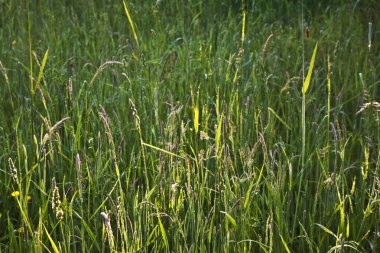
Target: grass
[167, 126]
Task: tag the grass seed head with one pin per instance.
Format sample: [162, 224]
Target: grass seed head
[56, 202]
[51, 130]
[70, 88]
[107, 225]
[104, 117]
[266, 45]
[13, 170]
[135, 115]
[78, 167]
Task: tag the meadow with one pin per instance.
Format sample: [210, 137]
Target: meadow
[190, 126]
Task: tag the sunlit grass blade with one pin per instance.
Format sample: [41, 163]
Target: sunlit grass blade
[195, 105]
[196, 118]
[161, 150]
[243, 23]
[230, 218]
[310, 71]
[53, 245]
[131, 23]
[218, 133]
[327, 230]
[149, 194]
[285, 244]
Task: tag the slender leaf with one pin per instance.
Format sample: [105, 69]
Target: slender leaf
[162, 230]
[285, 245]
[230, 218]
[310, 71]
[53, 245]
[40, 73]
[131, 23]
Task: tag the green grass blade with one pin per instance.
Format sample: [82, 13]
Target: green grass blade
[30, 53]
[327, 230]
[243, 23]
[149, 194]
[218, 133]
[209, 234]
[230, 218]
[162, 230]
[41, 70]
[285, 245]
[24, 215]
[279, 118]
[131, 23]
[162, 150]
[53, 245]
[196, 118]
[310, 71]
[89, 231]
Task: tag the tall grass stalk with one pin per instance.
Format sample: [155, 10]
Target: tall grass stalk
[131, 23]
[244, 14]
[305, 87]
[328, 107]
[31, 80]
[120, 214]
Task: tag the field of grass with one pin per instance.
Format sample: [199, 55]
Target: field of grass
[189, 126]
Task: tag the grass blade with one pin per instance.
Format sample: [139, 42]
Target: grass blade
[196, 118]
[41, 70]
[53, 245]
[243, 23]
[230, 218]
[89, 231]
[248, 194]
[327, 230]
[162, 230]
[131, 23]
[285, 245]
[310, 71]
[218, 134]
[279, 118]
[162, 150]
